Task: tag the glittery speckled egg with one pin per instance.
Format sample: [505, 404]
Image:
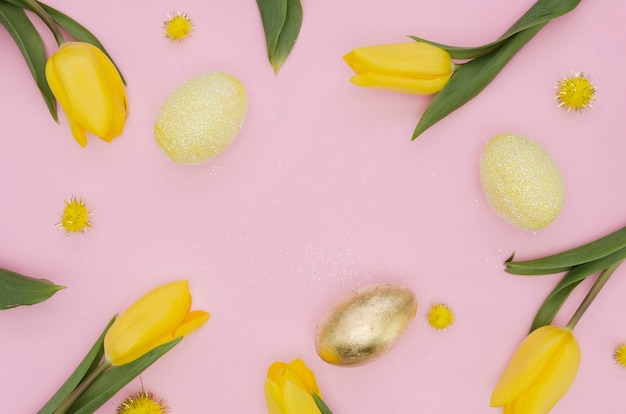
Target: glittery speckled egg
[522, 183]
[365, 324]
[201, 117]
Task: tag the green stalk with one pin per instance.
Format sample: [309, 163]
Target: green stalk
[82, 387]
[49, 21]
[591, 295]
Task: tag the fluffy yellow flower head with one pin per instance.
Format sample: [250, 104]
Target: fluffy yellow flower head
[440, 316]
[178, 27]
[576, 93]
[143, 402]
[75, 216]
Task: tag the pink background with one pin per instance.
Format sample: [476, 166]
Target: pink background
[322, 192]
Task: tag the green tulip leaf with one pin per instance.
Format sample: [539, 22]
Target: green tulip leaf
[471, 78]
[559, 262]
[557, 297]
[321, 404]
[30, 44]
[539, 14]
[550, 307]
[86, 366]
[282, 20]
[115, 378]
[78, 31]
[19, 290]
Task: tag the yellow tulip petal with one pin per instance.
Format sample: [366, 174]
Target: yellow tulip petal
[298, 400]
[528, 363]
[425, 86]
[149, 322]
[275, 370]
[85, 85]
[79, 133]
[193, 321]
[557, 378]
[115, 87]
[411, 59]
[304, 375]
[273, 397]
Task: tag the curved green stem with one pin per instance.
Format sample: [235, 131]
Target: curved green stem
[82, 387]
[593, 292]
[49, 21]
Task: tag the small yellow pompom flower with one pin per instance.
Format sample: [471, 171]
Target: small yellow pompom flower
[75, 218]
[575, 93]
[143, 402]
[619, 355]
[178, 27]
[440, 316]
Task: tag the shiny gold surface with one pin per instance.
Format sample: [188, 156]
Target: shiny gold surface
[364, 324]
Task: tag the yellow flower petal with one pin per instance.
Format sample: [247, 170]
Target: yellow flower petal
[411, 59]
[415, 86]
[156, 318]
[540, 372]
[549, 388]
[298, 400]
[89, 89]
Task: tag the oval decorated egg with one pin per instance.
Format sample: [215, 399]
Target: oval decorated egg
[521, 181]
[201, 117]
[365, 324]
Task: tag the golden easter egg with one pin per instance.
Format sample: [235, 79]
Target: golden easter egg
[365, 324]
[201, 117]
[521, 181]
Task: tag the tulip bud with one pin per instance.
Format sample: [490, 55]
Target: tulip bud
[156, 318]
[540, 372]
[289, 389]
[89, 89]
[415, 68]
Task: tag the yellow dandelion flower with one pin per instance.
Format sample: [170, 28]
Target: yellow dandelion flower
[178, 27]
[575, 93]
[75, 216]
[143, 402]
[619, 355]
[440, 316]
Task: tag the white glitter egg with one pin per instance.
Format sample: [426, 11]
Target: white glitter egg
[521, 181]
[201, 117]
[364, 324]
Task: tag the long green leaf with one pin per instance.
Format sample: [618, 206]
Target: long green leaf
[78, 31]
[29, 42]
[557, 297]
[19, 290]
[321, 404]
[471, 78]
[114, 379]
[550, 307]
[539, 14]
[282, 20]
[273, 16]
[288, 34]
[581, 254]
[87, 365]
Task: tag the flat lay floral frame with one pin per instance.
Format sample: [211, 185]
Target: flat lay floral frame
[321, 192]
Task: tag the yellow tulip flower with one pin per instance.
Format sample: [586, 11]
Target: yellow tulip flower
[415, 68]
[540, 373]
[89, 89]
[158, 317]
[288, 389]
